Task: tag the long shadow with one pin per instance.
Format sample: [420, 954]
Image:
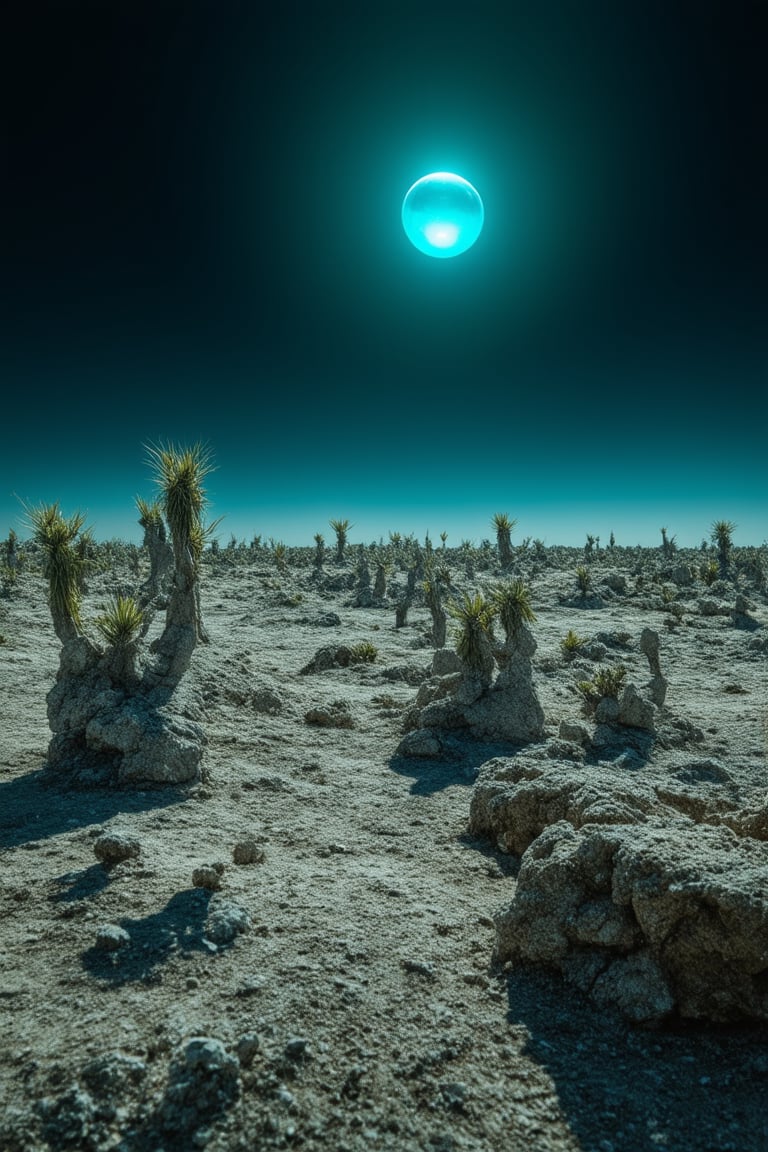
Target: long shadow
[459, 765]
[177, 928]
[633, 1090]
[33, 807]
[80, 885]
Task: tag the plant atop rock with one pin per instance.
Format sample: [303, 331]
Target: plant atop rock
[607, 682]
[121, 624]
[340, 527]
[668, 543]
[474, 635]
[583, 579]
[62, 566]
[722, 536]
[112, 710]
[512, 604]
[504, 526]
[433, 586]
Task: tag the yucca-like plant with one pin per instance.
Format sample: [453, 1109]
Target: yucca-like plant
[512, 604]
[504, 526]
[363, 653]
[709, 572]
[122, 622]
[571, 643]
[150, 515]
[280, 556]
[474, 633]
[583, 579]
[340, 527]
[443, 538]
[179, 474]
[722, 536]
[63, 567]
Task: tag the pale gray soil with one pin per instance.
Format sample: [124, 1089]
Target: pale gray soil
[371, 933]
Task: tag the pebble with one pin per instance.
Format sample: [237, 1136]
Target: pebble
[208, 876]
[113, 847]
[110, 937]
[248, 852]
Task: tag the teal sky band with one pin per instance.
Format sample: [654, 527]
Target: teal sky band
[442, 214]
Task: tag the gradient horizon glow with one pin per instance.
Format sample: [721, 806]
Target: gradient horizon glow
[442, 214]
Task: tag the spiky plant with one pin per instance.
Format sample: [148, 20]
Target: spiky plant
[280, 556]
[511, 602]
[571, 643]
[474, 631]
[363, 653]
[179, 474]
[606, 682]
[150, 515]
[710, 571]
[583, 579]
[609, 681]
[122, 622]
[63, 568]
[503, 525]
[722, 536]
[340, 527]
[443, 538]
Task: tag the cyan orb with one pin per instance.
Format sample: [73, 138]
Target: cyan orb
[442, 214]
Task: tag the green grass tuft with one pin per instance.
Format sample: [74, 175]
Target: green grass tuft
[122, 622]
[511, 602]
[363, 653]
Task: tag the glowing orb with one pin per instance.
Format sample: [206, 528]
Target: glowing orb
[442, 214]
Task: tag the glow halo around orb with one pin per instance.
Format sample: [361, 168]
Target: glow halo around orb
[442, 214]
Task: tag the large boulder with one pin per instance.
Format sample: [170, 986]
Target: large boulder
[649, 918]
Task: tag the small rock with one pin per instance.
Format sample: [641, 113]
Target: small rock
[454, 1094]
[573, 733]
[297, 1048]
[335, 715]
[420, 968]
[225, 921]
[208, 876]
[110, 937]
[247, 1048]
[421, 744]
[248, 852]
[113, 847]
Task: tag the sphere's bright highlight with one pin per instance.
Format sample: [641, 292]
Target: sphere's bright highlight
[442, 214]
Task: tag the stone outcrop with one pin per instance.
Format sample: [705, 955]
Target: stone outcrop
[649, 919]
[648, 892]
[504, 709]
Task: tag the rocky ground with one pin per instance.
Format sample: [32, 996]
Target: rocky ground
[333, 985]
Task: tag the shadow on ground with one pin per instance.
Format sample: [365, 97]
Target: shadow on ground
[34, 809]
[460, 765]
[175, 930]
[74, 886]
[623, 1089]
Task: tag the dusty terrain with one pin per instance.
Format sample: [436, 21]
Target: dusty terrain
[361, 1009]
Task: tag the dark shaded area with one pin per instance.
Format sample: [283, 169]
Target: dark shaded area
[80, 885]
[459, 766]
[688, 1087]
[177, 928]
[33, 809]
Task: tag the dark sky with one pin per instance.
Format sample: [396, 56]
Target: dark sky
[203, 241]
